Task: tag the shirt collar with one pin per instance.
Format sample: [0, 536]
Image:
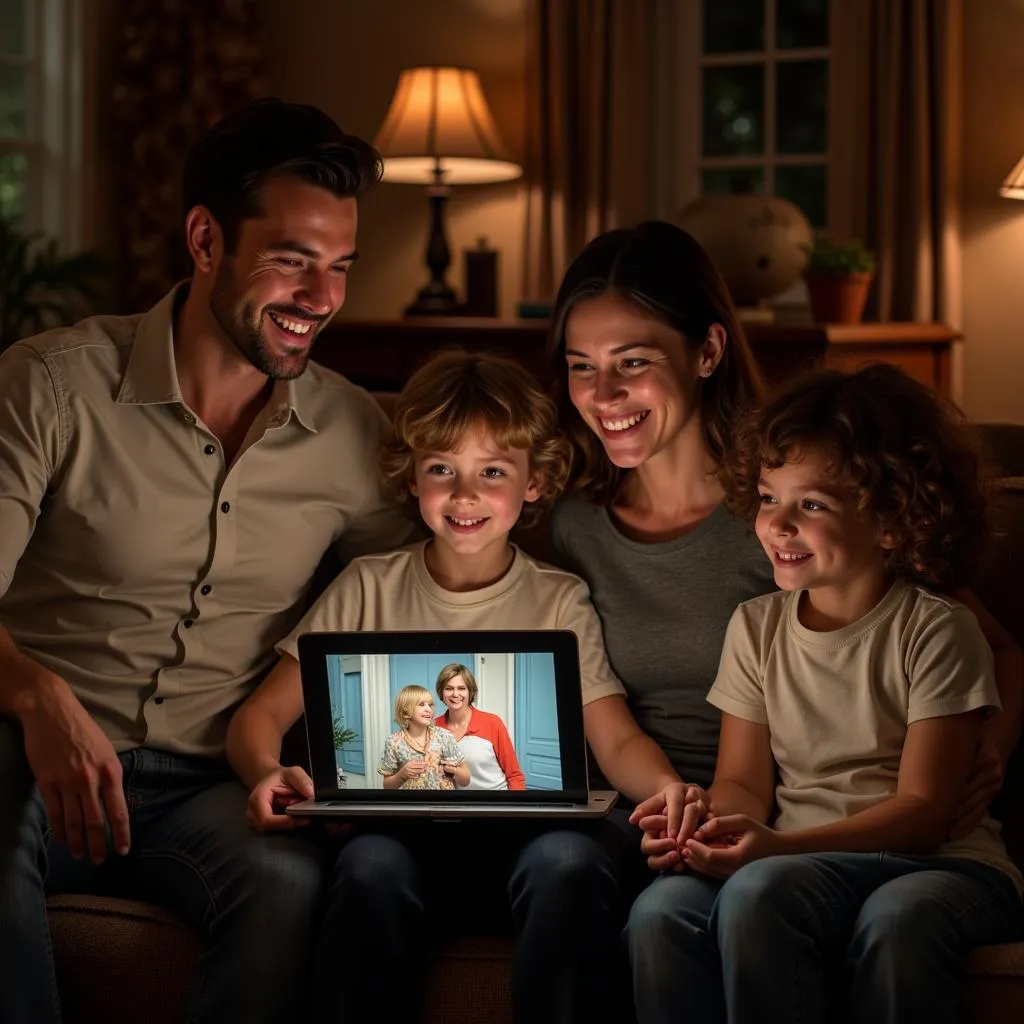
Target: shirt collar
[151, 377]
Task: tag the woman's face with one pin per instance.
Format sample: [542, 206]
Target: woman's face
[455, 694]
[632, 378]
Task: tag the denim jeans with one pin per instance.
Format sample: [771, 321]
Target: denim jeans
[757, 948]
[254, 897]
[395, 894]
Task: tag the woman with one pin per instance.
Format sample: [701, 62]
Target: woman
[481, 736]
[654, 370]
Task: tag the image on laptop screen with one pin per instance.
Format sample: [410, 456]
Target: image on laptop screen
[386, 714]
[460, 716]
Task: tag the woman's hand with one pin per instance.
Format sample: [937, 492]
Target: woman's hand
[279, 789]
[983, 785]
[669, 819]
[721, 846]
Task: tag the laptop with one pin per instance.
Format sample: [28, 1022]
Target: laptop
[528, 679]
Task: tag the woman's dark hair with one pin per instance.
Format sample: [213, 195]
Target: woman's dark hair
[905, 453]
[665, 274]
[226, 170]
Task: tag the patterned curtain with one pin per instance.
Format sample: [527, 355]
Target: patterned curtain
[585, 141]
[184, 65]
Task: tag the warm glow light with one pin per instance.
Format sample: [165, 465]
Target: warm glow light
[1013, 186]
[440, 114]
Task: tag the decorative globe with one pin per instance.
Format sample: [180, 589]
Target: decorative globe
[757, 242]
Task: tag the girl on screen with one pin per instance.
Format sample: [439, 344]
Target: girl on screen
[420, 755]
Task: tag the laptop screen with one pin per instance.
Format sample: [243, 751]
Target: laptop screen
[460, 716]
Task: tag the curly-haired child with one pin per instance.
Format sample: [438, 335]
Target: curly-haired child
[853, 701]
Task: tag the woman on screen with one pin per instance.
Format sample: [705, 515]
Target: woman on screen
[481, 736]
[419, 755]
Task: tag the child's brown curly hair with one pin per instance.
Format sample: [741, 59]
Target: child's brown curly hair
[905, 452]
[456, 392]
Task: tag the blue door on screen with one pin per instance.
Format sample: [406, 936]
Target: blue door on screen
[422, 670]
[536, 738]
[347, 702]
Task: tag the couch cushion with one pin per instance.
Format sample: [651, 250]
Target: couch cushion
[120, 960]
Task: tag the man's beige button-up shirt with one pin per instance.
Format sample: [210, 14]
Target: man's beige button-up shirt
[134, 562]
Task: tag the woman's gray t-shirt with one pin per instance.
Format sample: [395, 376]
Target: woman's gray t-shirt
[665, 608]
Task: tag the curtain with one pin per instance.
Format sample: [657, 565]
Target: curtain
[909, 158]
[184, 64]
[585, 144]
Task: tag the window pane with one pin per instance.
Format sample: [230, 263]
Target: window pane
[733, 105]
[12, 101]
[13, 179]
[732, 27]
[731, 180]
[808, 188]
[12, 27]
[801, 23]
[802, 106]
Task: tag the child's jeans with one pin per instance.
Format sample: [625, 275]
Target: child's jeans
[755, 949]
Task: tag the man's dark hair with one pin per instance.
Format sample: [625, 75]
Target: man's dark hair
[226, 170]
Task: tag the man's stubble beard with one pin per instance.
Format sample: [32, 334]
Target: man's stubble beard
[242, 329]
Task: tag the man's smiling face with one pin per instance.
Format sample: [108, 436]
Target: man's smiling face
[287, 275]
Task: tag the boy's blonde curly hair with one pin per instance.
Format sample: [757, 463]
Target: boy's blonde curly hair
[456, 392]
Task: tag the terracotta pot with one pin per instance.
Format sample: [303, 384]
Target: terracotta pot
[838, 298]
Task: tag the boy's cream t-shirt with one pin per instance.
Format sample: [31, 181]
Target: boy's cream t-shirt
[838, 704]
[394, 591]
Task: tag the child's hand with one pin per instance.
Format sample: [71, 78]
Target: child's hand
[669, 819]
[279, 789]
[412, 769]
[721, 846]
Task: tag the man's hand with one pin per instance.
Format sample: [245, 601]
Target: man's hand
[78, 774]
[983, 785]
[721, 846]
[280, 788]
[412, 770]
[668, 819]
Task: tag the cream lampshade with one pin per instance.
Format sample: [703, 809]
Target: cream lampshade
[439, 132]
[1013, 186]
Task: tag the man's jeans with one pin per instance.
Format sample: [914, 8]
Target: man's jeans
[396, 894]
[756, 949]
[254, 897]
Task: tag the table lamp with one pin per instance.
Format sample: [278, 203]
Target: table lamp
[1013, 186]
[439, 132]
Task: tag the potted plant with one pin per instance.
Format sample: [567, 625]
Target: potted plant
[40, 288]
[839, 276]
[341, 737]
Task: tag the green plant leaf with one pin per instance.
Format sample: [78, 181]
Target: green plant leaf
[828, 256]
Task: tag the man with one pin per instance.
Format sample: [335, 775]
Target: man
[168, 484]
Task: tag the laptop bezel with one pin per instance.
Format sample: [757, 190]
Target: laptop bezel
[315, 648]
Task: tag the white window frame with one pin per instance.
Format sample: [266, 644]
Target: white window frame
[56, 58]
[676, 110]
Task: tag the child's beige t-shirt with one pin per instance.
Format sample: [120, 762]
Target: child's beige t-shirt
[838, 704]
[394, 591]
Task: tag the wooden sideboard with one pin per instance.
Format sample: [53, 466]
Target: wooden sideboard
[381, 354]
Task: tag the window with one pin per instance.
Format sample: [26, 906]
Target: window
[41, 115]
[764, 86]
[743, 94]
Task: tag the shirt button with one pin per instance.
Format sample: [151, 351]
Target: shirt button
[225, 506]
[209, 449]
[205, 588]
[187, 623]
[158, 700]
[189, 418]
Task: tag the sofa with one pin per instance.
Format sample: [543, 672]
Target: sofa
[118, 960]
